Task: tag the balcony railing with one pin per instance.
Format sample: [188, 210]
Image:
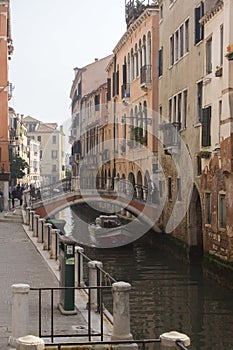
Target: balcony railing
[171, 136]
[146, 75]
[125, 91]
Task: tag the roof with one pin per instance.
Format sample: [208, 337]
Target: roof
[47, 127]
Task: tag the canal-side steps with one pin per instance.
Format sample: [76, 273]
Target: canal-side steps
[13, 215]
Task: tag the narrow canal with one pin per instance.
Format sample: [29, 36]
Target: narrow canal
[166, 294]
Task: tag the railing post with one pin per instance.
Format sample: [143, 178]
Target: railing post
[121, 313]
[79, 282]
[20, 312]
[169, 340]
[31, 222]
[35, 225]
[28, 215]
[30, 342]
[53, 251]
[93, 282]
[41, 223]
[46, 235]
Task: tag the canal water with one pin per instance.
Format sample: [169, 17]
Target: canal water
[166, 294]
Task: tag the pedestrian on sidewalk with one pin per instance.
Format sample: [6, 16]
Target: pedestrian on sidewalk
[19, 191]
[1, 200]
[13, 196]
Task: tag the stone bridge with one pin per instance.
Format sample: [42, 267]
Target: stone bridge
[147, 213]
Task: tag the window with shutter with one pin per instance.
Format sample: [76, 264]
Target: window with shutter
[209, 56]
[199, 28]
[160, 62]
[206, 127]
[208, 208]
[124, 74]
[109, 89]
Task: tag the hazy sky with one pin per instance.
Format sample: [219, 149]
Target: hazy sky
[50, 38]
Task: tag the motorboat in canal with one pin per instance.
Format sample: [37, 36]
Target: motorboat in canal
[108, 230]
[103, 222]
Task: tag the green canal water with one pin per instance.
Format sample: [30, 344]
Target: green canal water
[167, 294]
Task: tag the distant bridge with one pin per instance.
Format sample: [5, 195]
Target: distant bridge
[47, 202]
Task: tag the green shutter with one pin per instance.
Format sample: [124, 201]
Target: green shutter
[206, 127]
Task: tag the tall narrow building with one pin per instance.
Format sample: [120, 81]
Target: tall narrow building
[6, 50]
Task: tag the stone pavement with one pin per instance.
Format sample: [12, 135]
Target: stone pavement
[21, 262]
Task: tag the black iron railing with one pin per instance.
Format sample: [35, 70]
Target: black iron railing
[89, 333]
[143, 343]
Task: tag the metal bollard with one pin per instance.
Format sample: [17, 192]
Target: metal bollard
[20, 312]
[30, 342]
[93, 282]
[169, 340]
[79, 281]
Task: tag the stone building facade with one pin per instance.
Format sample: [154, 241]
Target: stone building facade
[6, 49]
[168, 116]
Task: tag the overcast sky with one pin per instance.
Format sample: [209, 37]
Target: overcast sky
[50, 38]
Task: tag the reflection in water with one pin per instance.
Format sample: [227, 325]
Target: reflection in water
[168, 295]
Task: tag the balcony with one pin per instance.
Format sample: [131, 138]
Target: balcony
[125, 92]
[146, 78]
[171, 136]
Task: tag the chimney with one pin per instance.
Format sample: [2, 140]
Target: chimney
[96, 59]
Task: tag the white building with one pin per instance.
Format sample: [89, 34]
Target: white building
[34, 163]
[52, 149]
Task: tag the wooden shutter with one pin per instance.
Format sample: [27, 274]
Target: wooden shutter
[206, 127]
[124, 74]
[109, 89]
[160, 70]
[197, 25]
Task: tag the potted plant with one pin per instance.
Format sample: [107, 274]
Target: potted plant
[229, 54]
[205, 154]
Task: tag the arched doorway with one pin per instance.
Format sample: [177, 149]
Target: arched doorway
[195, 234]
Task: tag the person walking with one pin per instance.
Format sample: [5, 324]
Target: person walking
[1, 200]
[13, 196]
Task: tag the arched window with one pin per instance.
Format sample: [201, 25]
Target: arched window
[128, 70]
[132, 64]
[136, 61]
[140, 55]
[148, 49]
[131, 124]
[145, 135]
[144, 60]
